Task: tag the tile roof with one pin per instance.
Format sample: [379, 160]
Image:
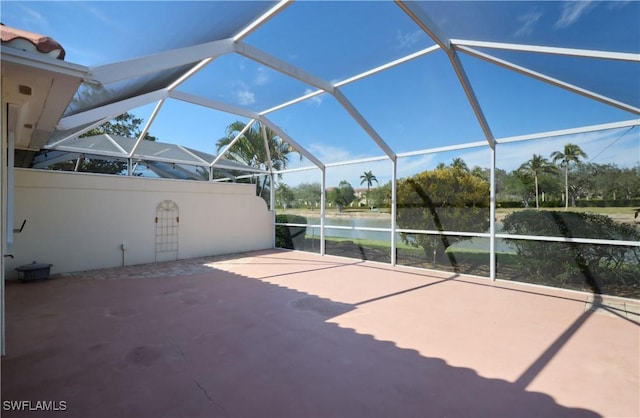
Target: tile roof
[25, 40]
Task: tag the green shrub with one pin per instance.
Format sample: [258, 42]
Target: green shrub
[506, 204]
[600, 203]
[519, 204]
[551, 204]
[608, 269]
[442, 199]
[291, 237]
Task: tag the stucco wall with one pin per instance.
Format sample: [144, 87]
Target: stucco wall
[80, 221]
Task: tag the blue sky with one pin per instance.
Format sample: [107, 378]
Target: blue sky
[417, 105]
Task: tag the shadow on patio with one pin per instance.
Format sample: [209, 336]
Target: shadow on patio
[290, 334]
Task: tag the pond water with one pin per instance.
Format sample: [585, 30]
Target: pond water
[384, 222]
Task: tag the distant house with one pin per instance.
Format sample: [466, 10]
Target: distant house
[361, 197]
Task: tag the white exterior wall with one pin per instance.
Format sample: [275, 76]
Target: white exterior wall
[78, 221]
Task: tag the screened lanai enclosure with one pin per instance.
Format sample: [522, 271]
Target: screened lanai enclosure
[498, 139]
[320, 208]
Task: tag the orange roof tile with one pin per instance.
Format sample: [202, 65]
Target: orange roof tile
[17, 37]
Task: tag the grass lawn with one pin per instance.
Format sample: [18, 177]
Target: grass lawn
[619, 213]
[386, 246]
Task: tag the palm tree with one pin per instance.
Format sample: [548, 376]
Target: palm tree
[284, 195]
[368, 178]
[572, 154]
[535, 166]
[250, 149]
[459, 164]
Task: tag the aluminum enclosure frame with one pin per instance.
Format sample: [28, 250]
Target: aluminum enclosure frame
[201, 56]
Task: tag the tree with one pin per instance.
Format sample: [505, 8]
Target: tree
[284, 195]
[342, 195]
[250, 149]
[308, 194]
[126, 125]
[445, 199]
[569, 264]
[459, 164]
[605, 183]
[368, 178]
[583, 181]
[534, 167]
[501, 179]
[483, 173]
[511, 186]
[608, 181]
[630, 182]
[571, 155]
[381, 195]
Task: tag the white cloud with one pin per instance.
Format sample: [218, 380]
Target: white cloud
[32, 18]
[412, 165]
[262, 77]
[85, 56]
[352, 173]
[330, 154]
[245, 96]
[611, 5]
[620, 146]
[100, 15]
[408, 39]
[601, 147]
[316, 100]
[572, 11]
[528, 22]
[476, 157]
[615, 146]
[242, 94]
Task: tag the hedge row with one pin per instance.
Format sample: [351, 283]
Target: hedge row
[627, 203]
[608, 203]
[609, 269]
[291, 237]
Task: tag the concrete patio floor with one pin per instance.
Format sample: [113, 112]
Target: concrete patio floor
[291, 334]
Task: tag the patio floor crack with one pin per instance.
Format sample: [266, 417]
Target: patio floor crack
[206, 393]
